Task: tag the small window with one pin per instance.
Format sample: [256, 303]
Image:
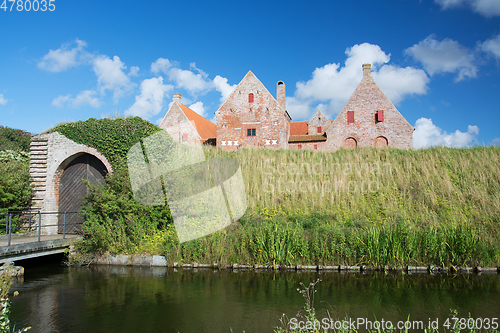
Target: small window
[380, 116]
[350, 117]
[319, 130]
[250, 131]
[184, 137]
[250, 98]
[315, 146]
[299, 146]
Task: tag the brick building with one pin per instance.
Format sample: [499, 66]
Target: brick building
[369, 119]
[185, 125]
[251, 116]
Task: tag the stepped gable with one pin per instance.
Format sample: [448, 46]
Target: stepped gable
[251, 116]
[369, 119]
[186, 125]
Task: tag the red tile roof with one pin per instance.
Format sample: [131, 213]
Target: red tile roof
[298, 128]
[206, 129]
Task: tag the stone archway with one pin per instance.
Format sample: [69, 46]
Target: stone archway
[350, 143]
[381, 142]
[72, 189]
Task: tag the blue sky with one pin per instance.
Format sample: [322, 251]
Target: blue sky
[438, 60]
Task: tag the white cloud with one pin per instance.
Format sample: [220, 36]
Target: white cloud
[161, 65]
[495, 142]
[492, 46]
[83, 98]
[134, 71]
[445, 56]
[397, 82]
[223, 87]
[332, 85]
[488, 8]
[198, 108]
[427, 135]
[150, 101]
[194, 83]
[186, 79]
[65, 57]
[110, 75]
[298, 108]
[3, 101]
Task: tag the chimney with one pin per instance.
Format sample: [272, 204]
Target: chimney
[281, 94]
[177, 98]
[367, 68]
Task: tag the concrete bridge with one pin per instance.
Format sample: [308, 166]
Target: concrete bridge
[28, 246]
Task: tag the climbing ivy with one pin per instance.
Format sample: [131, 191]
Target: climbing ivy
[114, 220]
[111, 137]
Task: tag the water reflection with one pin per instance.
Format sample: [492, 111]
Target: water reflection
[132, 299]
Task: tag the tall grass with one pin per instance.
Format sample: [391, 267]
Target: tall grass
[427, 188]
[293, 241]
[439, 206]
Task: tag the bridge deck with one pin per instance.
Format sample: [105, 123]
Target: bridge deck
[27, 246]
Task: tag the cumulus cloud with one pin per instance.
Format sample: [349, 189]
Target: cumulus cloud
[445, 56]
[134, 71]
[3, 101]
[198, 108]
[427, 135]
[111, 76]
[331, 85]
[83, 98]
[488, 8]
[67, 56]
[492, 46]
[225, 89]
[150, 101]
[195, 83]
[161, 65]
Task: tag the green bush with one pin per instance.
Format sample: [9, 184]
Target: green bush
[15, 189]
[14, 139]
[114, 221]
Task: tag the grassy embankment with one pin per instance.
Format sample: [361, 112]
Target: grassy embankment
[438, 206]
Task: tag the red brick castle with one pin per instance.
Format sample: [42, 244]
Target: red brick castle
[251, 116]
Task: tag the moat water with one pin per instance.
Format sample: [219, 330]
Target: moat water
[131, 299]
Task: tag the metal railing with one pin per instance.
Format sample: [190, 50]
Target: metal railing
[22, 224]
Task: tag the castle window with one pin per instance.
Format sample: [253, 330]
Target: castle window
[350, 117]
[379, 116]
[250, 131]
[299, 147]
[250, 98]
[319, 130]
[184, 136]
[315, 146]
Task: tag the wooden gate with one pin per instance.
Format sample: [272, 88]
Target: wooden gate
[72, 189]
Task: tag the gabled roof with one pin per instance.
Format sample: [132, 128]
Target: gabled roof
[205, 128]
[366, 96]
[298, 128]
